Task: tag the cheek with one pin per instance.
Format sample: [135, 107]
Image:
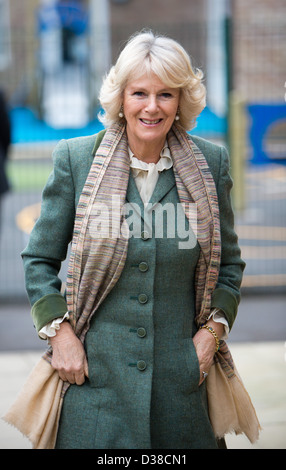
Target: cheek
[172, 109]
[172, 113]
[131, 109]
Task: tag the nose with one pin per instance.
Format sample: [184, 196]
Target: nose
[152, 105]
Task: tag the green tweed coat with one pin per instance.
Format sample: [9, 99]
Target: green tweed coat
[139, 347]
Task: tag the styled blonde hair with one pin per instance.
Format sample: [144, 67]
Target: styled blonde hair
[147, 53]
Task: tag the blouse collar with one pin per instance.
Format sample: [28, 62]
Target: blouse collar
[165, 162]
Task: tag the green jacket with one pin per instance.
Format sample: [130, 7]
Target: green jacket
[49, 240]
[143, 390]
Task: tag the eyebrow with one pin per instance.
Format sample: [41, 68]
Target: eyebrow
[163, 90]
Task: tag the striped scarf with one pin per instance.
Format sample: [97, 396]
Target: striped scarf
[96, 263]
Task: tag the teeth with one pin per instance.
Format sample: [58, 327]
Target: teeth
[146, 121]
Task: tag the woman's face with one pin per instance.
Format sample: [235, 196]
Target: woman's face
[150, 108]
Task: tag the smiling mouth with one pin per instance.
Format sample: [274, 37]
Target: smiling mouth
[150, 122]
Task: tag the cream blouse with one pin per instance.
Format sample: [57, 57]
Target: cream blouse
[146, 176]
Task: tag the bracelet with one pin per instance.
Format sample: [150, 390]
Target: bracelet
[212, 331]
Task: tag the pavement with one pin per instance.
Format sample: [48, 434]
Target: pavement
[257, 343]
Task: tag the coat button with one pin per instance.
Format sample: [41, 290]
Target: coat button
[142, 298]
[145, 235]
[143, 267]
[141, 332]
[141, 365]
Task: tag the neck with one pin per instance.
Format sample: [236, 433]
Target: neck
[148, 152]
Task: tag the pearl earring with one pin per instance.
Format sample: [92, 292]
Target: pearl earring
[177, 115]
[120, 114]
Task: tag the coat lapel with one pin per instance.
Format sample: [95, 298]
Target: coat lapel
[166, 182]
[133, 196]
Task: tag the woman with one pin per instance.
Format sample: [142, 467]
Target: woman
[149, 297]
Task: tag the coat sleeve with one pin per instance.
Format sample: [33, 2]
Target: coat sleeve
[49, 240]
[226, 295]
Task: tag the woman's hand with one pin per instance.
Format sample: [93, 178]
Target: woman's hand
[206, 346]
[69, 357]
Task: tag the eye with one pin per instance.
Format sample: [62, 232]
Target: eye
[166, 95]
[140, 94]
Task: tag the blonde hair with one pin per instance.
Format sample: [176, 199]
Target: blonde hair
[148, 53]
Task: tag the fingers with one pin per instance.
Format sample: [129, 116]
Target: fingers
[85, 368]
[74, 375]
[69, 357]
[203, 376]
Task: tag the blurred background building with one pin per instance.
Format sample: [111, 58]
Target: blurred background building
[53, 55]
